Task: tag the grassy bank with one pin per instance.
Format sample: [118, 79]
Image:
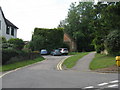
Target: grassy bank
[102, 61]
[71, 61]
[19, 64]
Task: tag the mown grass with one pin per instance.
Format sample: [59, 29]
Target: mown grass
[19, 64]
[73, 53]
[71, 61]
[102, 61]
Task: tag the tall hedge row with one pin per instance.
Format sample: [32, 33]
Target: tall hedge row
[47, 38]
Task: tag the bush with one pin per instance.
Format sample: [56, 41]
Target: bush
[17, 43]
[7, 54]
[12, 55]
[7, 45]
[98, 43]
[3, 39]
[112, 43]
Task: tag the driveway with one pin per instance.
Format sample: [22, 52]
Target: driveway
[45, 75]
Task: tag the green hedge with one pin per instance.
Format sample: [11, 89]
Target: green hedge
[7, 54]
[47, 38]
[11, 55]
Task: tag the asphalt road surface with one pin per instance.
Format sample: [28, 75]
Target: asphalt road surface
[45, 75]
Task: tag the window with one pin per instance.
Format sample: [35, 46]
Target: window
[0, 25]
[7, 30]
[12, 31]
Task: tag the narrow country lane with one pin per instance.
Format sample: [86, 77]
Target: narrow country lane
[45, 75]
[83, 64]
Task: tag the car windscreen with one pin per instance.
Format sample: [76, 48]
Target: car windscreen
[57, 50]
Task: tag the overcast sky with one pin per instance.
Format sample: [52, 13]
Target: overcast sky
[28, 14]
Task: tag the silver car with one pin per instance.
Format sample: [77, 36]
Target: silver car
[56, 52]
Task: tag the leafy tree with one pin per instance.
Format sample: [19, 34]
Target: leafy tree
[112, 43]
[106, 20]
[77, 25]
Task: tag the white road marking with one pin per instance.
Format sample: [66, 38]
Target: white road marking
[115, 85]
[102, 84]
[89, 87]
[115, 81]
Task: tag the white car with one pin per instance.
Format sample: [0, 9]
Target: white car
[64, 51]
[43, 52]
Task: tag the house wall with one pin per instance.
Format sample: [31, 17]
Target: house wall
[70, 42]
[3, 29]
[3, 25]
[8, 36]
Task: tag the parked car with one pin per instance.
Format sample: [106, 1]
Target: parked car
[64, 51]
[56, 52]
[43, 52]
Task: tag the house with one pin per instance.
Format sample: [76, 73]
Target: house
[71, 42]
[7, 29]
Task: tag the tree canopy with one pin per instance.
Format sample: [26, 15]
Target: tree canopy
[91, 24]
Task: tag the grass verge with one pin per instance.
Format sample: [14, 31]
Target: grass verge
[102, 61]
[73, 53]
[71, 61]
[19, 64]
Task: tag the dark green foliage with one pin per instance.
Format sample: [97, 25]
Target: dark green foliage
[46, 39]
[12, 55]
[38, 42]
[64, 45]
[12, 51]
[90, 24]
[107, 19]
[4, 44]
[112, 43]
[3, 39]
[98, 44]
[7, 45]
[7, 54]
[78, 26]
[17, 43]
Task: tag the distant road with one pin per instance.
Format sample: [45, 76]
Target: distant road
[45, 75]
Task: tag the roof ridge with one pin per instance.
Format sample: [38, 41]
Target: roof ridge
[7, 21]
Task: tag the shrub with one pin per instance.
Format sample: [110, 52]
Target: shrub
[17, 43]
[36, 51]
[12, 55]
[7, 54]
[26, 50]
[3, 39]
[98, 43]
[7, 45]
[112, 43]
